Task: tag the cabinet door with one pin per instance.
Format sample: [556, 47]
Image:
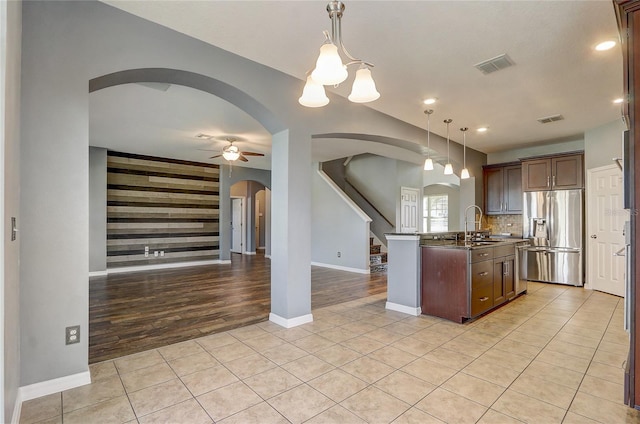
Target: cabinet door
[508, 277]
[499, 295]
[493, 190]
[512, 189]
[536, 175]
[567, 172]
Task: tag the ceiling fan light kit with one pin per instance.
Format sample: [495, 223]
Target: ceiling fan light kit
[330, 70]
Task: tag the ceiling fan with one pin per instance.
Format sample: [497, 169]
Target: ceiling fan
[231, 152]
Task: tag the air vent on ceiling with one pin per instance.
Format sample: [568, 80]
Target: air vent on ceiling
[548, 119]
[495, 64]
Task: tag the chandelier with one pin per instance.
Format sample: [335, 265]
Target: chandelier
[330, 70]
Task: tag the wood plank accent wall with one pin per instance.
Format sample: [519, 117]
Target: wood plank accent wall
[166, 204]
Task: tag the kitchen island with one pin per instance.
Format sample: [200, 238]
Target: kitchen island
[460, 281]
[441, 275]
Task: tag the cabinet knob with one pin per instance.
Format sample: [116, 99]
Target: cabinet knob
[483, 254]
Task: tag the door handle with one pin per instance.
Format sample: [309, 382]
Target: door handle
[483, 274]
[548, 180]
[484, 299]
[593, 236]
[620, 252]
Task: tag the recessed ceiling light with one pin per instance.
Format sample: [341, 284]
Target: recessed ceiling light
[605, 45]
[618, 100]
[482, 129]
[430, 101]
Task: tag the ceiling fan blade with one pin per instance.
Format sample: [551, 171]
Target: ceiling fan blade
[209, 150]
[252, 154]
[216, 156]
[242, 158]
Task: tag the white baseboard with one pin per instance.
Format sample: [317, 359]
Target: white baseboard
[56, 385]
[290, 322]
[249, 253]
[404, 309]
[165, 266]
[98, 273]
[342, 268]
[17, 409]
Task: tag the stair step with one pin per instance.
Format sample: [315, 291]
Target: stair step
[378, 268]
[377, 259]
[374, 248]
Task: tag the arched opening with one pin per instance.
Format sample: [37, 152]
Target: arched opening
[164, 222]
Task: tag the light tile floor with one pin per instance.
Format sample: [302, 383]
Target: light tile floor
[554, 355]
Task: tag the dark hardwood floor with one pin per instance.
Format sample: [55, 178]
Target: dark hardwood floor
[133, 312]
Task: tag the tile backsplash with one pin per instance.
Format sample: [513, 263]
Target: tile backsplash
[498, 224]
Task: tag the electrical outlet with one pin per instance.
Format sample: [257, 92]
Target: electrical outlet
[162, 253]
[155, 253]
[72, 334]
[146, 251]
[339, 254]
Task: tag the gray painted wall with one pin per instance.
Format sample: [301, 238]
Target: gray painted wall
[65, 45]
[512, 155]
[603, 143]
[10, 293]
[97, 209]
[337, 227]
[376, 178]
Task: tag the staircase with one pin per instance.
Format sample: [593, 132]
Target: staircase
[377, 258]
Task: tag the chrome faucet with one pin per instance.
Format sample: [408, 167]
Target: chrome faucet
[479, 222]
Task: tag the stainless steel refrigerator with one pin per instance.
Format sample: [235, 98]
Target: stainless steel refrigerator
[553, 222]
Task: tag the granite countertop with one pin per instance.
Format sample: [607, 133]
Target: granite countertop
[480, 244]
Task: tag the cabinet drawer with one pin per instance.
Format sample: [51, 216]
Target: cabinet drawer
[501, 251]
[481, 274]
[481, 299]
[481, 254]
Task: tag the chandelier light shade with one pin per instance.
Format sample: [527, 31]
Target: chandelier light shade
[231, 153]
[428, 162]
[364, 88]
[448, 168]
[313, 94]
[464, 174]
[330, 70]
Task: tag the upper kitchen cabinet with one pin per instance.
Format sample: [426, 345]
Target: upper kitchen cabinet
[562, 172]
[502, 189]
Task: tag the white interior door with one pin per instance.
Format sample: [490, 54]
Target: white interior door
[409, 220]
[236, 224]
[605, 220]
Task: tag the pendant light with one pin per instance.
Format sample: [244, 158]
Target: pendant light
[428, 162]
[330, 70]
[465, 172]
[448, 168]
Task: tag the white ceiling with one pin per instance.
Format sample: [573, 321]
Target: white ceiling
[420, 48]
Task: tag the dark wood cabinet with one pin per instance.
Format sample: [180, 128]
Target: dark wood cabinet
[561, 172]
[502, 189]
[503, 279]
[481, 287]
[458, 284]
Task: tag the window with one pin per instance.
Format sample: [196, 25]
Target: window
[436, 213]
